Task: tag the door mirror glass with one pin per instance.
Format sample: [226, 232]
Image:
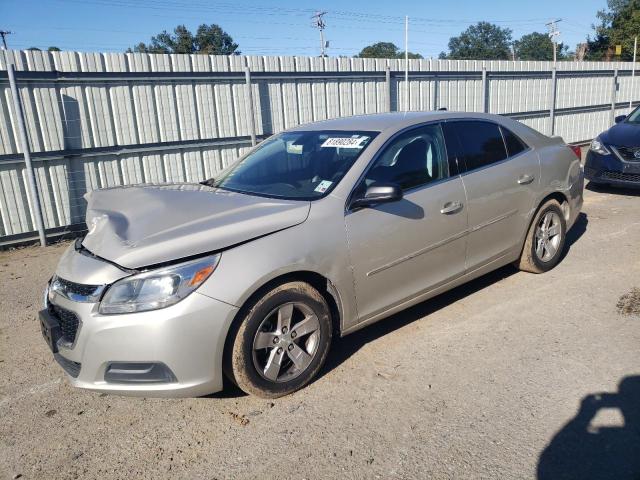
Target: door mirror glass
[619, 118]
[377, 193]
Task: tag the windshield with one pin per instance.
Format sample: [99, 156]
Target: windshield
[296, 165]
[634, 117]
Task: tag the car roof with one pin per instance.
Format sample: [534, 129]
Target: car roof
[379, 122]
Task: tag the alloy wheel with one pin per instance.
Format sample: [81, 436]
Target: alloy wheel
[286, 342]
[548, 236]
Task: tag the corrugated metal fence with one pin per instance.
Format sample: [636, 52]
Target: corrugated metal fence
[104, 119]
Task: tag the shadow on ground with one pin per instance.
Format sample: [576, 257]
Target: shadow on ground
[602, 188]
[583, 449]
[343, 348]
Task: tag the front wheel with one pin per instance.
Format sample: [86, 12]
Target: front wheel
[281, 342]
[545, 240]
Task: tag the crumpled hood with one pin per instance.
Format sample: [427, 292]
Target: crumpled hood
[623, 135]
[149, 224]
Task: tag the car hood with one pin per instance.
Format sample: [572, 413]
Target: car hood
[146, 225]
[623, 135]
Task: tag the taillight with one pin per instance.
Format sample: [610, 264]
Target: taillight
[577, 150]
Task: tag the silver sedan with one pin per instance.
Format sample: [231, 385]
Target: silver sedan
[318, 231]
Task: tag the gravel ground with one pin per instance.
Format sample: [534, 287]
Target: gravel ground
[501, 378]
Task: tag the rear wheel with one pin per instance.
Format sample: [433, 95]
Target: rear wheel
[281, 342]
[545, 240]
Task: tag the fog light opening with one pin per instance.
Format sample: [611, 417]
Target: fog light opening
[139, 372]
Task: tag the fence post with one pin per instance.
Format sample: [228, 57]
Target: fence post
[614, 91]
[252, 116]
[435, 92]
[485, 90]
[387, 80]
[24, 143]
[552, 102]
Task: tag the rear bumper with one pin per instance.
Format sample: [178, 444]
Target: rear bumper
[183, 343]
[610, 170]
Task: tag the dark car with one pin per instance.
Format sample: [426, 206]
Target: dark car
[614, 155]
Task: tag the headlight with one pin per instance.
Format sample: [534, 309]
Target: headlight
[157, 288]
[598, 147]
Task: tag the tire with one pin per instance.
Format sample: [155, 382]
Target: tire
[531, 259]
[268, 355]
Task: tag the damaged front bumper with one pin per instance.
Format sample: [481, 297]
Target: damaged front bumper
[174, 351]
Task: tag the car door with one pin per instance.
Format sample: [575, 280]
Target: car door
[401, 249]
[500, 177]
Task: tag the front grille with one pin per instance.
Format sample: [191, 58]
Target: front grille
[76, 292]
[625, 177]
[629, 153]
[77, 288]
[69, 322]
[590, 172]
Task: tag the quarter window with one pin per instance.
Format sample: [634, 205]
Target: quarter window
[414, 158]
[481, 143]
[514, 144]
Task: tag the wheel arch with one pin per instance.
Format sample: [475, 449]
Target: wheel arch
[561, 198]
[321, 283]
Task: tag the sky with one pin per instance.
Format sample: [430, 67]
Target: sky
[284, 27]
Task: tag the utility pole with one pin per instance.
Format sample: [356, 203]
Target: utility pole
[24, 142]
[513, 52]
[318, 23]
[406, 63]
[4, 34]
[633, 70]
[553, 35]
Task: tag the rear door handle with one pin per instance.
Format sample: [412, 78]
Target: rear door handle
[451, 207]
[525, 179]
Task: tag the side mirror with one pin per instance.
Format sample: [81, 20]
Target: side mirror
[378, 193]
[619, 118]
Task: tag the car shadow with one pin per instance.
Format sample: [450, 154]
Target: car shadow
[603, 188]
[584, 448]
[343, 348]
[578, 230]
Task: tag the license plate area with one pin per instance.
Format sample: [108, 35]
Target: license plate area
[50, 328]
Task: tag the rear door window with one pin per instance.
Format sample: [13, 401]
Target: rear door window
[480, 143]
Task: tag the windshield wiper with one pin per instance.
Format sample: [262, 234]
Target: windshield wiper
[209, 183]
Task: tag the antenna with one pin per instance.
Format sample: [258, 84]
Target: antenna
[318, 22]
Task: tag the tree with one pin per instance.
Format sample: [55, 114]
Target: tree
[209, 40]
[483, 41]
[384, 50]
[538, 46]
[618, 26]
[50, 49]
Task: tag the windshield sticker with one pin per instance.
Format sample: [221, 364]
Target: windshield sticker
[293, 148]
[323, 186]
[342, 142]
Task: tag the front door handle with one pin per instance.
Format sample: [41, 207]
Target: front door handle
[451, 207]
[525, 179]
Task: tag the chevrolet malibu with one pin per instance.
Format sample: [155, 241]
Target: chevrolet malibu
[318, 231]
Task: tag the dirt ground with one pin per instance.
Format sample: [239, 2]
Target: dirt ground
[511, 376]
